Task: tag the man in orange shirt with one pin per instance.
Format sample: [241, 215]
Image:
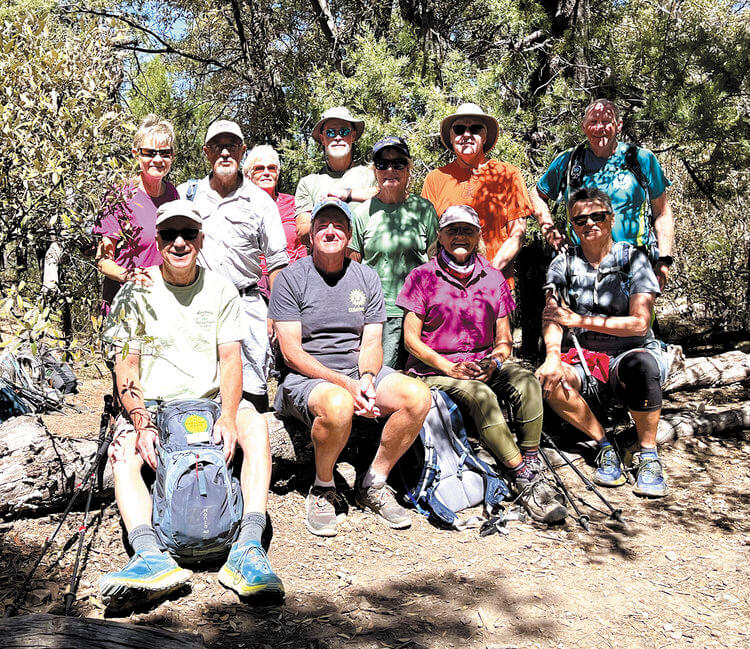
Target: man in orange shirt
[495, 189]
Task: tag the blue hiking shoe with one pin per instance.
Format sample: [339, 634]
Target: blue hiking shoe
[248, 572]
[147, 576]
[650, 477]
[608, 472]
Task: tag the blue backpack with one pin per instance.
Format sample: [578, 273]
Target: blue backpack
[197, 503]
[452, 478]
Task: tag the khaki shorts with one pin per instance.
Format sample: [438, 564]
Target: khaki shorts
[124, 435]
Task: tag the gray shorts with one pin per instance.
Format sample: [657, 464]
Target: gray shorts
[123, 435]
[594, 388]
[294, 393]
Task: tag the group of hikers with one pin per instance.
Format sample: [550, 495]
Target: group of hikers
[374, 296]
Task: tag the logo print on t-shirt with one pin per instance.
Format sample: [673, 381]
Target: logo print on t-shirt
[357, 299]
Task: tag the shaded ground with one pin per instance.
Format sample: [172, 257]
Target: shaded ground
[676, 576]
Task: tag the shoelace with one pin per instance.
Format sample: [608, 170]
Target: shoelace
[329, 497]
[257, 560]
[607, 458]
[650, 469]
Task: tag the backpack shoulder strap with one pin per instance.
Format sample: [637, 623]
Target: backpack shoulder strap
[192, 189]
[575, 170]
[631, 161]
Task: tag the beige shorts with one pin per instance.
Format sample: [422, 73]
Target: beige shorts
[124, 435]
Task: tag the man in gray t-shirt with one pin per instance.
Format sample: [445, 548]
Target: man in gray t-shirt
[328, 312]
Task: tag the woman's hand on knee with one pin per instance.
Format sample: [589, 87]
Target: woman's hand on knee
[464, 370]
[552, 376]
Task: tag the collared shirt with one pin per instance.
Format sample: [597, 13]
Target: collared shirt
[495, 189]
[459, 320]
[238, 228]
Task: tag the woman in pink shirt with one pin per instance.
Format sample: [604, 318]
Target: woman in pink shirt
[262, 167]
[457, 332]
[127, 224]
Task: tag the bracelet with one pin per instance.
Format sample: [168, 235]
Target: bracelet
[348, 198]
[372, 374]
[498, 362]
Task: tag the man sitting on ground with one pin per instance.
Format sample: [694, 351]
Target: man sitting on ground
[328, 312]
[179, 339]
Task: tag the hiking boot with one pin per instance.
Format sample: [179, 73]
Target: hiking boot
[650, 478]
[608, 472]
[382, 501]
[541, 500]
[248, 571]
[326, 508]
[147, 576]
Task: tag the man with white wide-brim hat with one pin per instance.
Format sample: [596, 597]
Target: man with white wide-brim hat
[337, 130]
[495, 189]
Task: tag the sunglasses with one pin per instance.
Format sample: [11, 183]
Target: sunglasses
[474, 129]
[233, 147]
[258, 168]
[397, 163]
[187, 234]
[343, 131]
[596, 217]
[152, 153]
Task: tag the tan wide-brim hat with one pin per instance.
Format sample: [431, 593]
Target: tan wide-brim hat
[338, 112]
[475, 112]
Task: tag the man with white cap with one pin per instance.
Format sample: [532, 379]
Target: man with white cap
[328, 311]
[495, 189]
[240, 223]
[179, 338]
[336, 131]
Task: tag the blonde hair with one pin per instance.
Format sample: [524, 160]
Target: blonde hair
[152, 125]
[258, 152]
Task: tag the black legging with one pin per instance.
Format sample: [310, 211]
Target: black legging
[638, 382]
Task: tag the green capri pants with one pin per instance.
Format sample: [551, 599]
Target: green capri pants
[516, 386]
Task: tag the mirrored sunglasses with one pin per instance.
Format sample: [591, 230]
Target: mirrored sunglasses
[343, 131]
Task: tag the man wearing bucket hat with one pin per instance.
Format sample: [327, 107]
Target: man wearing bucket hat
[336, 131]
[240, 223]
[178, 338]
[495, 189]
[328, 312]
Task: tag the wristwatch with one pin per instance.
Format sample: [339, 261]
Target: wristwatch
[667, 260]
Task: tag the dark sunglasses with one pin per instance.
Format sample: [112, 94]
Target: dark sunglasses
[270, 167]
[397, 163]
[187, 234]
[596, 217]
[474, 129]
[152, 153]
[232, 147]
[343, 131]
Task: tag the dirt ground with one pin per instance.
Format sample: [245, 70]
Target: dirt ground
[676, 575]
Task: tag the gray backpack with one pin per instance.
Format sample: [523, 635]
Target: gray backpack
[197, 503]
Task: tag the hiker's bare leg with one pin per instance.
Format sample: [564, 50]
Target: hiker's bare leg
[646, 424]
[409, 402]
[131, 493]
[255, 477]
[572, 407]
[333, 409]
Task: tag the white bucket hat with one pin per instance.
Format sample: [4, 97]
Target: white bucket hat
[474, 111]
[338, 112]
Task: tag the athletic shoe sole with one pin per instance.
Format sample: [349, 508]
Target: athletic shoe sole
[394, 525]
[134, 592]
[650, 494]
[234, 581]
[609, 483]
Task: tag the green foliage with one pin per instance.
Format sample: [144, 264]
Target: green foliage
[62, 143]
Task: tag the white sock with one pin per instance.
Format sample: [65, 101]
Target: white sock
[323, 483]
[372, 477]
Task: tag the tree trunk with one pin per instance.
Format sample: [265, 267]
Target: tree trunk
[53, 632]
[38, 471]
[689, 423]
[706, 371]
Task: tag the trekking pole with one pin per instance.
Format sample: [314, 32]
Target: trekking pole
[615, 513]
[582, 519]
[88, 475]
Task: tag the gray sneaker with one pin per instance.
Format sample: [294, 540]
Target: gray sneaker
[541, 500]
[326, 508]
[382, 501]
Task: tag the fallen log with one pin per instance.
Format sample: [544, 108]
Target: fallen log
[706, 371]
[689, 423]
[45, 631]
[38, 471]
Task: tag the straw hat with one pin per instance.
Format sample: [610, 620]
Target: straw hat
[475, 112]
[338, 112]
